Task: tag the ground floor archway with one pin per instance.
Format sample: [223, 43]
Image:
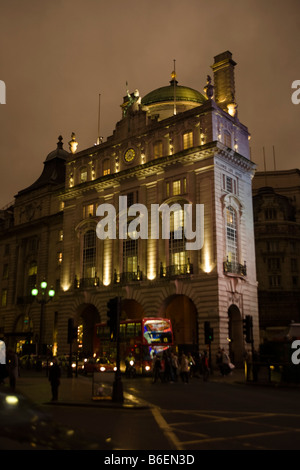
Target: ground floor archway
[182, 312]
[235, 335]
[87, 317]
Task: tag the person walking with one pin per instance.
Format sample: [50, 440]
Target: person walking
[205, 366]
[184, 369]
[156, 368]
[54, 379]
[13, 369]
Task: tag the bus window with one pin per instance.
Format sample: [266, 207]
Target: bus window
[138, 329]
[122, 330]
[130, 333]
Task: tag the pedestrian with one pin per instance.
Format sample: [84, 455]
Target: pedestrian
[54, 378]
[191, 365]
[13, 369]
[184, 369]
[219, 361]
[205, 366]
[168, 372]
[225, 363]
[174, 361]
[156, 368]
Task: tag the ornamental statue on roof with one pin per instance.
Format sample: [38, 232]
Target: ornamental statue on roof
[131, 101]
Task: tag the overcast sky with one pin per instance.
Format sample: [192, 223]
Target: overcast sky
[56, 56]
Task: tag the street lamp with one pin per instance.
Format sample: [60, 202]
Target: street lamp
[42, 301]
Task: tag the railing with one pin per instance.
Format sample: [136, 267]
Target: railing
[123, 278]
[175, 270]
[235, 268]
[86, 282]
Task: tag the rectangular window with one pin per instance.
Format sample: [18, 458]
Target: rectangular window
[227, 139]
[5, 271]
[83, 175]
[229, 184]
[88, 211]
[106, 167]
[270, 214]
[274, 281]
[176, 188]
[188, 140]
[158, 149]
[273, 264]
[272, 246]
[167, 189]
[4, 298]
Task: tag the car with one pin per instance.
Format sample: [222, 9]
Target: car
[99, 364]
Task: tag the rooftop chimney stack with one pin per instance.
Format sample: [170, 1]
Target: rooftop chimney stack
[224, 84]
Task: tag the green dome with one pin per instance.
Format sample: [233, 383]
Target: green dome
[166, 93]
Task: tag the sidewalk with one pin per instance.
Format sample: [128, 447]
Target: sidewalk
[73, 391]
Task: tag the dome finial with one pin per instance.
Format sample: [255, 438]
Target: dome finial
[174, 76]
[59, 143]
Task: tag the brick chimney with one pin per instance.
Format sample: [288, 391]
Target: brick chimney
[224, 85]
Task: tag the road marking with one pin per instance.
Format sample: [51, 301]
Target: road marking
[167, 430]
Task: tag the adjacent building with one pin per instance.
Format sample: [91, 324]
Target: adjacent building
[276, 202]
[175, 146]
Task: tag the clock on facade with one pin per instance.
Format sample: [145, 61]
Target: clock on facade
[129, 155]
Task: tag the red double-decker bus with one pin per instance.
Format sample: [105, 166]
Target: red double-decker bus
[142, 338]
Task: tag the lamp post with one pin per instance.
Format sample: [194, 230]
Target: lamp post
[42, 301]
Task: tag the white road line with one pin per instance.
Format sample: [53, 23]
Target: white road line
[167, 430]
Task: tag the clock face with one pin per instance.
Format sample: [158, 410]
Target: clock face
[129, 155]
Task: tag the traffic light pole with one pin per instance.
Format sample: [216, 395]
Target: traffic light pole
[117, 394]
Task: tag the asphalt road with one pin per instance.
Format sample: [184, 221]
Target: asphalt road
[214, 415]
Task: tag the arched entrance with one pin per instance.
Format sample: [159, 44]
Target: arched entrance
[235, 332]
[87, 315]
[183, 315]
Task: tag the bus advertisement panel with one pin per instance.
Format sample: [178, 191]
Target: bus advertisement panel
[140, 338]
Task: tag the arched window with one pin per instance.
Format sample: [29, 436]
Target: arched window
[89, 255]
[231, 235]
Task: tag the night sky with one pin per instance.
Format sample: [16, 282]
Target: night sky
[57, 56]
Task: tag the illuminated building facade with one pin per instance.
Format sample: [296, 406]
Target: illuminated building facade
[178, 146]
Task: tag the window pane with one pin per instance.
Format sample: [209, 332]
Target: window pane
[187, 140]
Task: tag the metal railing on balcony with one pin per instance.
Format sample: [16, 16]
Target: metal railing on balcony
[124, 278]
[235, 268]
[86, 282]
[175, 270]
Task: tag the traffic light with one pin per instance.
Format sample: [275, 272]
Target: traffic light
[113, 317]
[208, 332]
[248, 328]
[72, 331]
